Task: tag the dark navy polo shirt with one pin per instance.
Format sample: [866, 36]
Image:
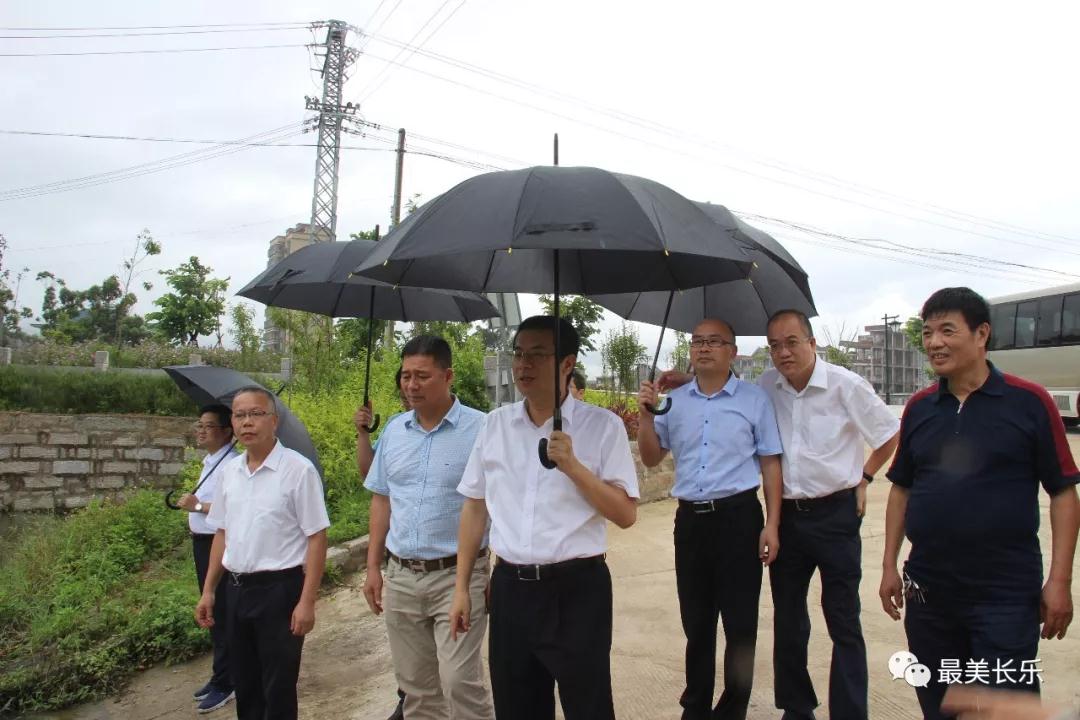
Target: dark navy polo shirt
[973, 472]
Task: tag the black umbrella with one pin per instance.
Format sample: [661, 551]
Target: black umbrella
[318, 279]
[776, 282]
[209, 385]
[578, 230]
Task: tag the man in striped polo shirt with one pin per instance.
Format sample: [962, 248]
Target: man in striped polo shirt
[415, 506]
[974, 449]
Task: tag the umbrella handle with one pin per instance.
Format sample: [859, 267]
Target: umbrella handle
[544, 459]
[374, 424]
[664, 409]
[168, 501]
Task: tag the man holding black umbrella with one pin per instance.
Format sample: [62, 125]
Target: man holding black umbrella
[213, 432]
[722, 432]
[551, 601]
[271, 543]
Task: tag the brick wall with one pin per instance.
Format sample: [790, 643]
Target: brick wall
[57, 462]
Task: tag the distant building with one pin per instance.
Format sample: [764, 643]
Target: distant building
[906, 363]
[281, 247]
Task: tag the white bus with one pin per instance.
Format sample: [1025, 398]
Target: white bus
[1036, 335]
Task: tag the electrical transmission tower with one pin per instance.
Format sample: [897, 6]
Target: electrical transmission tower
[337, 59]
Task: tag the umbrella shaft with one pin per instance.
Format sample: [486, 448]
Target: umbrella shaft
[556, 420]
[660, 342]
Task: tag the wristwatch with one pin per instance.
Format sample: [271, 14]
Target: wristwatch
[198, 507]
[867, 477]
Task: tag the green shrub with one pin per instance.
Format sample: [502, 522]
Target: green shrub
[87, 599]
[147, 354]
[39, 389]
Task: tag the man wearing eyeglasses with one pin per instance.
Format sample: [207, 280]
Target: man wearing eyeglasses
[213, 433]
[270, 544]
[827, 415]
[551, 600]
[722, 433]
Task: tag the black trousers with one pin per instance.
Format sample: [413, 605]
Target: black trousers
[718, 574]
[549, 631]
[821, 535]
[265, 654]
[1004, 636]
[219, 633]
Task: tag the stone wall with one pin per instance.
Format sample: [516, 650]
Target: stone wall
[654, 483]
[58, 462]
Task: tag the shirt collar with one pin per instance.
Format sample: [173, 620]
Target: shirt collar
[272, 461]
[521, 413]
[215, 456]
[993, 386]
[452, 416]
[730, 387]
[819, 378]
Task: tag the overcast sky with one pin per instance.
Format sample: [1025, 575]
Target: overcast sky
[950, 127]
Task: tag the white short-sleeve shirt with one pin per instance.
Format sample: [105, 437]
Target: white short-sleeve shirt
[268, 515]
[538, 516]
[212, 464]
[824, 428]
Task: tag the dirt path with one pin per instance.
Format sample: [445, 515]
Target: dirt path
[347, 673]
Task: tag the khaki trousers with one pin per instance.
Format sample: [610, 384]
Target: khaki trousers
[441, 678]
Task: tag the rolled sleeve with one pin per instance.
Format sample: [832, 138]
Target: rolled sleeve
[871, 416]
[766, 431]
[617, 464]
[308, 501]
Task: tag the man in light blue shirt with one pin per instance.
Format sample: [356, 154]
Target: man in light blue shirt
[415, 508]
[723, 435]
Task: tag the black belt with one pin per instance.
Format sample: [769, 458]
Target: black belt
[202, 536]
[265, 577]
[424, 566]
[549, 571]
[708, 506]
[808, 504]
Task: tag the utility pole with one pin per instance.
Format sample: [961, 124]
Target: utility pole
[888, 358]
[395, 213]
[332, 114]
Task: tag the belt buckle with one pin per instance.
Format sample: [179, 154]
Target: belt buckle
[704, 506]
[235, 577]
[799, 505]
[534, 568]
[416, 565]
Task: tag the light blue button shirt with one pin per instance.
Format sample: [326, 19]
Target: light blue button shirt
[716, 439]
[420, 471]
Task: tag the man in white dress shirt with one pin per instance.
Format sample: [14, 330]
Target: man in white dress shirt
[213, 432]
[271, 541]
[826, 414]
[551, 602]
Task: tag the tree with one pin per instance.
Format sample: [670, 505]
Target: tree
[196, 305]
[679, 357]
[316, 357]
[913, 331]
[453, 332]
[838, 357]
[351, 335]
[623, 352]
[582, 313]
[10, 314]
[145, 246]
[78, 315]
[244, 332]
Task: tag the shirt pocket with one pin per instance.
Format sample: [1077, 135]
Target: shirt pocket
[824, 433]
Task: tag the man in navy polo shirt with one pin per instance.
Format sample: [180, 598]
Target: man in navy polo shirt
[974, 449]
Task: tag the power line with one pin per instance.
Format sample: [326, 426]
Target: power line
[680, 135]
[150, 52]
[153, 33]
[148, 27]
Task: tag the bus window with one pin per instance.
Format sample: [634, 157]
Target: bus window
[1003, 326]
[1070, 320]
[1026, 312]
[1049, 321]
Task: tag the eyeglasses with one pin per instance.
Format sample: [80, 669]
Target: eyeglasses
[531, 356]
[790, 344]
[205, 426]
[698, 343]
[253, 414]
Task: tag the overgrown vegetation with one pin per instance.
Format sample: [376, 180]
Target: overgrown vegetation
[48, 390]
[147, 354]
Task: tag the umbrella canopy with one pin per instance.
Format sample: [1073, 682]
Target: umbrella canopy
[209, 385]
[502, 232]
[318, 279]
[560, 229]
[776, 282]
